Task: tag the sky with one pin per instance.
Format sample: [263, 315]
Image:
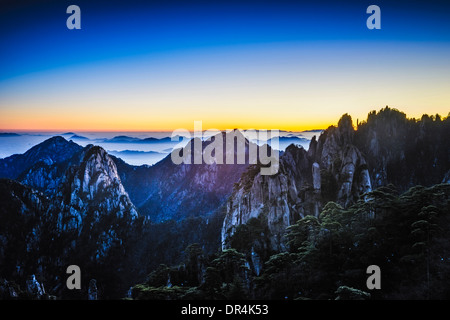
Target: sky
[159, 66]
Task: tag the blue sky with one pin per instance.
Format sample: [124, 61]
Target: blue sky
[34, 35]
[210, 56]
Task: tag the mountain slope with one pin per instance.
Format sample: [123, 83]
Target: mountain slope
[177, 191]
[403, 151]
[88, 221]
[341, 166]
[49, 152]
[163, 191]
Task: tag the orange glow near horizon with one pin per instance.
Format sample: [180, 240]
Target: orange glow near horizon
[91, 125]
[288, 87]
[206, 125]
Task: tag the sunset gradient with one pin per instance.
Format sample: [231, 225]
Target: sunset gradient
[162, 66]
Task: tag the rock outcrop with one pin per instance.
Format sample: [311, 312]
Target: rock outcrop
[92, 290]
[85, 219]
[34, 288]
[333, 169]
[91, 186]
[342, 165]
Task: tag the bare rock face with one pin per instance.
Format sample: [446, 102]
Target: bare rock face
[88, 216]
[34, 288]
[79, 181]
[354, 179]
[265, 195]
[92, 186]
[446, 177]
[92, 290]
[316, 176]
[342, 165]
[333, 169]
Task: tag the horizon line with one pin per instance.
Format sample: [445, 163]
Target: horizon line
[364, 119]
[64, 131]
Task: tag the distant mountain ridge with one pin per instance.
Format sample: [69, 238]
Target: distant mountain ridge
[127, 139]
[9, 134]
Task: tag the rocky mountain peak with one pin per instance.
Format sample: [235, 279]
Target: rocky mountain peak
[94, 184]
[333, 169]
[169, 190]
[52, 151]
[342, 165]
[97, 172]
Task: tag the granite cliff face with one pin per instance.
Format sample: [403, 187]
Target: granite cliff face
[83, 216]
[332, 169]
[91, 187]
[84, 181]
[341, 166]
